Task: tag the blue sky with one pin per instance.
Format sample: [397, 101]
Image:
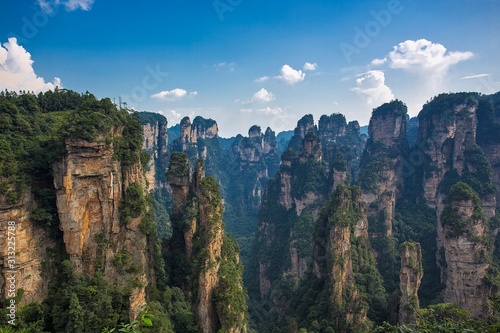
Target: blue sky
[245, 62]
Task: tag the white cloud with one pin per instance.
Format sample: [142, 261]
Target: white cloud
[49, 5]
[476, 76]
[372, 88]
[425, 57]
[16, 70]
[174, 94]
[276, 111]
[378, 62]
[224, 66]
[263, 96]
[290, 75]
[310, 66]
[262, 79]
[175, 114]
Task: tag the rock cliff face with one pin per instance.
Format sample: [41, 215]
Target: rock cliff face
[488, 138]
[257, 160]
[381, 167]
[210, 224]
[200, 129]
[300, 188]
[342, 258]
[342, 147]
[90, 185]
[463, 228]
[410, 278]
[304, 126]
[346, 303]
[30, 248]
[198, 240]
[155, 143]
[448, 134]
[446, 130]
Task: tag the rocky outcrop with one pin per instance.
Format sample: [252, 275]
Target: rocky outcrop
[198, 241]
[463, 229]
[155, 143]
[388, 124]
[339, 177]
[210, 224]
[201, 128]
[257, 159]
[179, 176]
[447, 128]
[410, 278]
[381, 176]
[285, 177]
[300, 188]
[450, 127]
[311, 148]
[330, 128]
[304, 126]
[26, 243]
[91, 184]
[341, 138]
[488, 138]
[344, 224]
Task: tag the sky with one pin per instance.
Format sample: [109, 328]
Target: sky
[252, 62]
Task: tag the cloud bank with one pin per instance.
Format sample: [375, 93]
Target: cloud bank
[423, 57]
[16, 70]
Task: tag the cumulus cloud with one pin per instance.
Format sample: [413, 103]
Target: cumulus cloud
[49, 5]
[372, 88]
[423, 56]
[262, 79]
[290, 75]
[174, 94]
[310, 66]
[263, 96]
[16, 70]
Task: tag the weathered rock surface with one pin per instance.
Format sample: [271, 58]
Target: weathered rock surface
[27, 245]
[466, 254]
[200, 129]
[382, 178]
[444, 135]
[155, 142]
[90, 184]
[197, 217]
[410, 278]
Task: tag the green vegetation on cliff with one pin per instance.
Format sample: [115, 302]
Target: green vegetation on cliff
[34, 130]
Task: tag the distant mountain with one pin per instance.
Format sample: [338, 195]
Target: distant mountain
[226, 143]
[364, 129]
[174, 132]
[283, 138]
